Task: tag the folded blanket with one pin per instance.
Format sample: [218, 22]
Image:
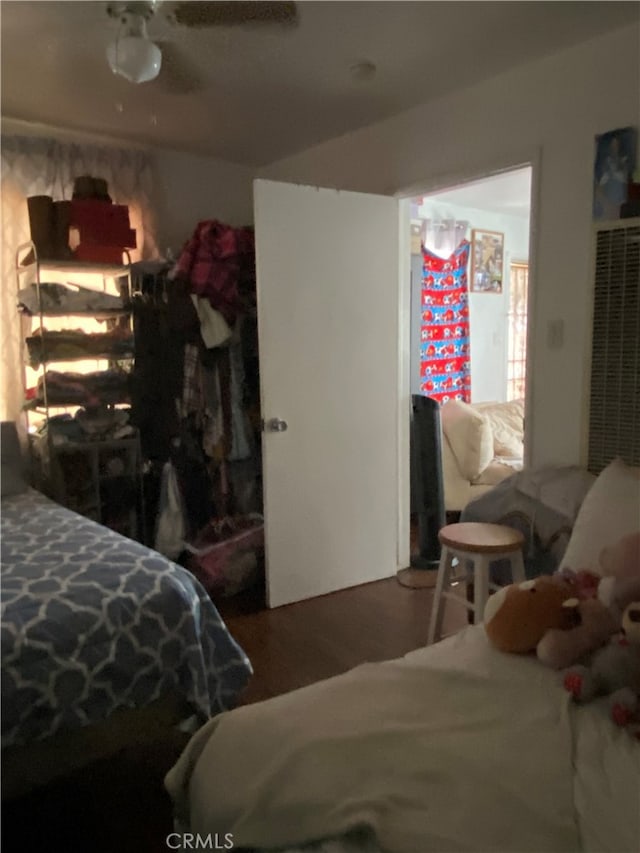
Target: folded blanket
[57, 299]
[429, 757]
[72, 344]
[85, 389]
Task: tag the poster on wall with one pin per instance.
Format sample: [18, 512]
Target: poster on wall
[487, 259]
[615, 163]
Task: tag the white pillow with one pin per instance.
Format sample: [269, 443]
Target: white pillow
[470, 437]
[507, 425]
[610, 510]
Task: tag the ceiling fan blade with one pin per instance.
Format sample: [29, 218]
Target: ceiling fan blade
[178, 73]
[235, 13]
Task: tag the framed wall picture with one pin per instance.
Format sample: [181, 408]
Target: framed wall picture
[615, 163]
[487, 261]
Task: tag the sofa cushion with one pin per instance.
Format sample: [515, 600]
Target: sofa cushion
[507, 425]
[470, 437]
[495, 472]
[610, 510]
[457, 489]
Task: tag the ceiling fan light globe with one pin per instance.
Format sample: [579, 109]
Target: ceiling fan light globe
[134, 58]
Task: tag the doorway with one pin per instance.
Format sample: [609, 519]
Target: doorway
[468, 316]
[334, 320]
[496, 212]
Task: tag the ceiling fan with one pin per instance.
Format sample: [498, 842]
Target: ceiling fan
[137, 58]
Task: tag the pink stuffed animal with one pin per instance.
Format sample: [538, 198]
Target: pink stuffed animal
[614, 671]
[594, 625]
[598, 606]
[620, 564]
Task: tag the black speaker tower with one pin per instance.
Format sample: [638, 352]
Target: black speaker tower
[427, 489]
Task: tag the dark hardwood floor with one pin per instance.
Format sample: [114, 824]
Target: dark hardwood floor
[300, 643]
[119, 805]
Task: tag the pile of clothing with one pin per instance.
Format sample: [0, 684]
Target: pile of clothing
[100, 423]
[218, 262]
[65, 344]
[95, 389]
[58, 299]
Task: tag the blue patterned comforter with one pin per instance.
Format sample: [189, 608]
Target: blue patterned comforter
[93, 622]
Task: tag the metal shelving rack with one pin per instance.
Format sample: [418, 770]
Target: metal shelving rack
[105, 462]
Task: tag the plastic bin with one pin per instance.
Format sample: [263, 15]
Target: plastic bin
[227, 554]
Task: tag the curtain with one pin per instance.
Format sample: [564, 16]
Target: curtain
[36, 166]
[445, 351]
[517, 319]
[443, 235]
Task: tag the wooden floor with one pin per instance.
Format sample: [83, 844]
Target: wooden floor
[301, 643]
[119, 805]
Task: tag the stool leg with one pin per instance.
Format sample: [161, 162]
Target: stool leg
[481, 566]
[517, 568]
[437, 609]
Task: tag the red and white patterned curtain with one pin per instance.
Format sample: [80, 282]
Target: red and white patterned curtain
[445, 349]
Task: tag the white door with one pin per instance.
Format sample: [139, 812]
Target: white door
[328, 271]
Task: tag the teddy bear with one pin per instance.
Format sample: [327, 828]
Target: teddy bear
[601, 603]
[594, 623]
[614, 670]
[581, 614]
[518, 616]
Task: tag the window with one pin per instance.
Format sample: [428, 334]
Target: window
[517, 322]
[40, 166]
[67, 322]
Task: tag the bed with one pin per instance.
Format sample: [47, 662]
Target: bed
[453, 747]
[94, 624]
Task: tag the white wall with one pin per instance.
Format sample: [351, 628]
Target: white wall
[191, 188]
[488, 320]
[551, 108]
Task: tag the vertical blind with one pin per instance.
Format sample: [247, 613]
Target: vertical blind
[614, 411]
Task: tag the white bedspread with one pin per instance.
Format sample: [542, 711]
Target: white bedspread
[454, 747]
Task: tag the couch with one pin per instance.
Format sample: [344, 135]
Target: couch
[482, 444]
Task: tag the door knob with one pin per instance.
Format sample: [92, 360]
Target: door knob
[275, 425]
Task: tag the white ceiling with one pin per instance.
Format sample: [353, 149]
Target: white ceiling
[508, 193]
[267, 93]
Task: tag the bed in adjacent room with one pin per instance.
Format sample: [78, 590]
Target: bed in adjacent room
[95, 625]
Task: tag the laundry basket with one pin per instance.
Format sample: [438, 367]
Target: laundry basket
[227, 554]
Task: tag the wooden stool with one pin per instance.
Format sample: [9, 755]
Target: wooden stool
[480, 544]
